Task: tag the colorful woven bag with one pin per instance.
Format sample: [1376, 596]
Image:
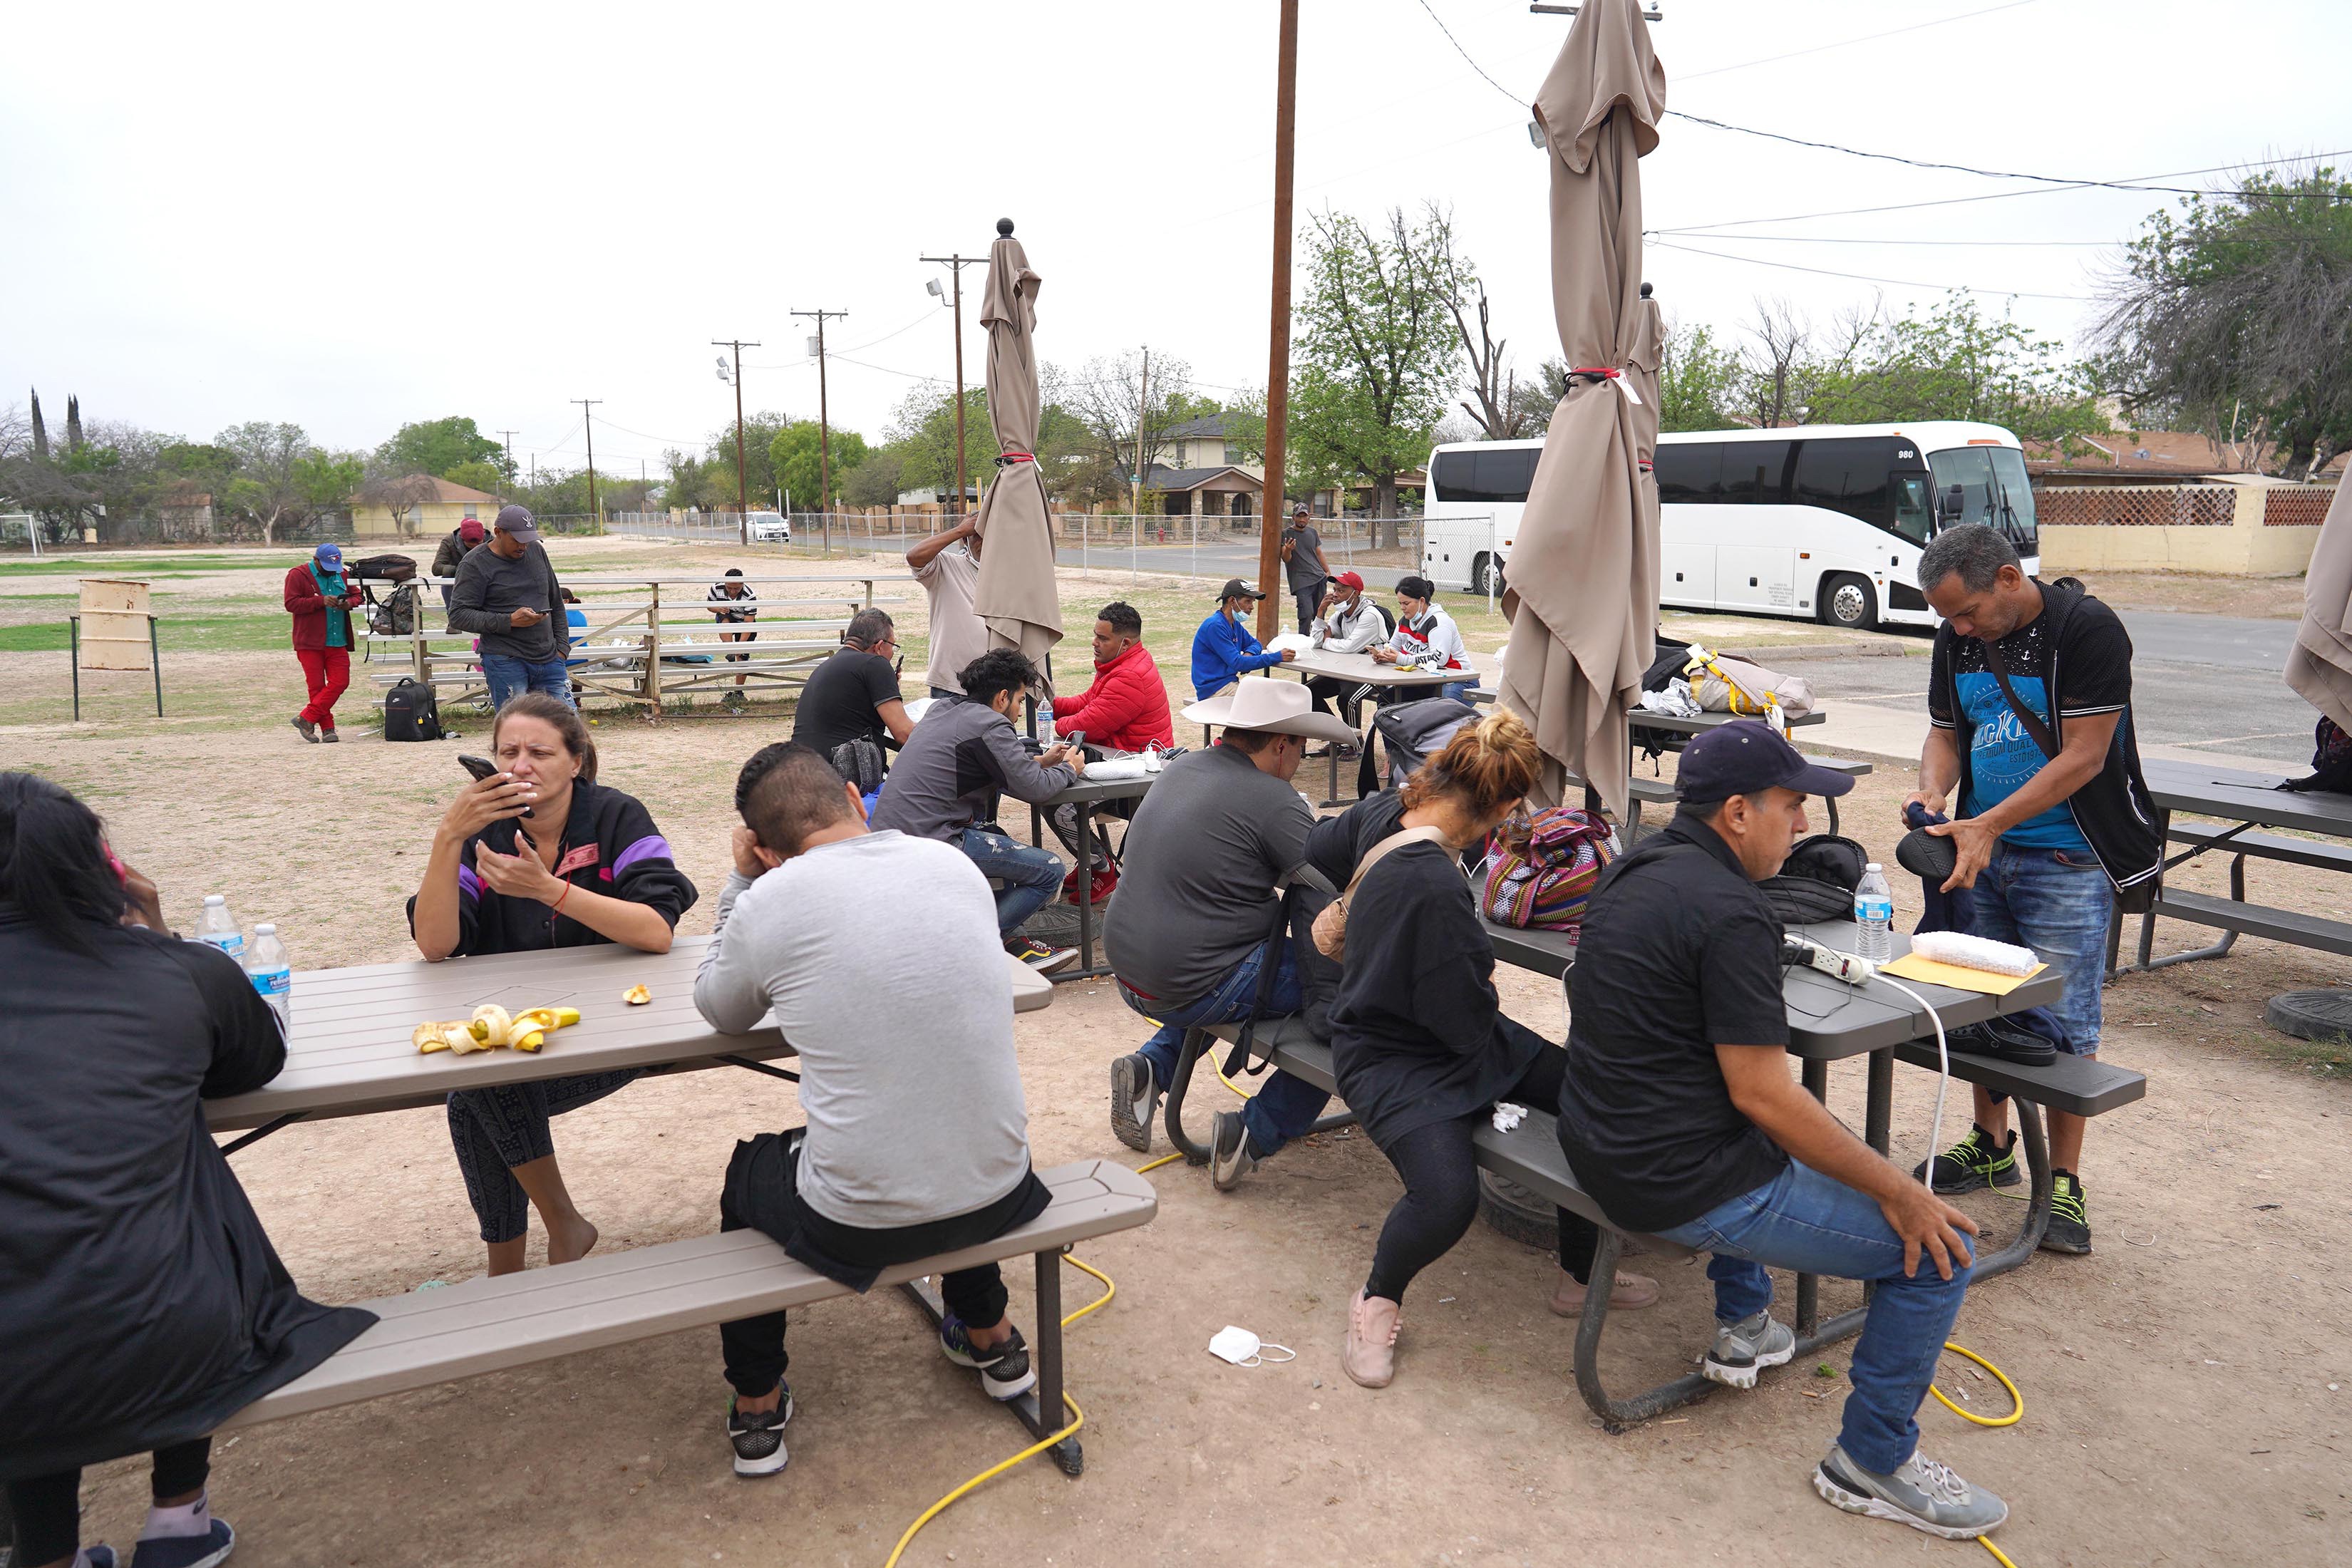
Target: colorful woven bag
[1543, 868]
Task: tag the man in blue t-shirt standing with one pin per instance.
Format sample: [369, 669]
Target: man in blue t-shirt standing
[2054, 819]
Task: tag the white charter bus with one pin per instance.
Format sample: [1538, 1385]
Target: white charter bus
[1825, 520]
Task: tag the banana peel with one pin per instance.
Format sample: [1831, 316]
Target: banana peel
[492, 1026]
[636, 996]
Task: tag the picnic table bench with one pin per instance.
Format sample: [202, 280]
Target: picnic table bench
[2249, 801]
[486, 1324]
[1829, 1020]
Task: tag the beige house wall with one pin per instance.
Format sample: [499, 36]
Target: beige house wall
[428, 519]
[2226, 530]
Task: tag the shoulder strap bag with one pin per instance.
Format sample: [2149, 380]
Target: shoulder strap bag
[1332, 925]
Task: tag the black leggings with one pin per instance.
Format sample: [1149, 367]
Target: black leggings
[49, 1508]
[1441, 1189]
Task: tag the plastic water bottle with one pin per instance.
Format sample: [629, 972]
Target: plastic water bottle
[1046, 720]
[219, 927]
[271, 976]
[1874, 911]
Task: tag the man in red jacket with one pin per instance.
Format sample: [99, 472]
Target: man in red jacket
[1124, 709]
[321, 603]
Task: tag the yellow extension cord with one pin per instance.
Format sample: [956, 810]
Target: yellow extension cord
[1078, 1417]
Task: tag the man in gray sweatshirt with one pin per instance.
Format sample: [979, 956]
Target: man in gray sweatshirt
[965, 751]
[917, 1136]
[508, 595]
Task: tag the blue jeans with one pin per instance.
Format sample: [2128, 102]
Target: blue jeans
[2061, 907]
[1805, 1221]
[1284, 1106]
[1030, 876]
[511, 676]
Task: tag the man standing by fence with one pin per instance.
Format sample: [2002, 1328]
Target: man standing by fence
[508, 595]
[1302, 560]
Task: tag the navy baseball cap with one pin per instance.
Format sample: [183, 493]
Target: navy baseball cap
[1746, 757]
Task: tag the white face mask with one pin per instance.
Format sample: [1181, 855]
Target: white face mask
[1241, 1347]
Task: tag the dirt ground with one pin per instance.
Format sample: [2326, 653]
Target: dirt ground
[2260, 598]
[2186, 1386]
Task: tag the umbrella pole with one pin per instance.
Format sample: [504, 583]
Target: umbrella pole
[1277, 352]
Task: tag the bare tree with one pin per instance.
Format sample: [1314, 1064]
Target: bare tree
[1126, 422]
[267, 480]
[397, 493]
[1773, 360]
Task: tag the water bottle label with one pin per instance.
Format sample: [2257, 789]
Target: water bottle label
[1869, 910]
[230, 942]
[274, 983]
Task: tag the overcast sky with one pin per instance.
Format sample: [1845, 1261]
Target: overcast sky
[350, 216]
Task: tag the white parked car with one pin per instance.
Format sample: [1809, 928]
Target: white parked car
[771, 528]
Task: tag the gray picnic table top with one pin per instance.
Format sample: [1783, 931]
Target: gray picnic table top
[2241, 796]
[350, 1051]
[1828, 1019]
[1364, 669]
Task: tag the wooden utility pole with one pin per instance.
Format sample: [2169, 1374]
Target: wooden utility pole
[824, 424]
[511, 473]
[742, 502]
[1143, 416]
[956, 264]
[588, 424]
[1277, 352]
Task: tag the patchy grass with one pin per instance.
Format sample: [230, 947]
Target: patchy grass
[133, 566]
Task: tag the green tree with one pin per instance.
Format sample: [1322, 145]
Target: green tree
[1956, 362]
[326, 480]
[760, 482]
[479, 475]
[437, 446]
[2235, 318]
[797, 458]
[267, 486]
[1378, 351]
[1698, 381]
[200, 466]
[923, 433]
[874, 481]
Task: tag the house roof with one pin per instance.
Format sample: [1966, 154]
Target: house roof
[1209, 426]
[1162, 478]
[443, 491]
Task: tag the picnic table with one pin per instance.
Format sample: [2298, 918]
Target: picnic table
[1363, 669]
[349, 1050]
[1828, 1021]
[2245, 801]
[348, 1053]
[1085, 794]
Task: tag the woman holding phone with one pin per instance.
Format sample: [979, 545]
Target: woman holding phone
[539, 854]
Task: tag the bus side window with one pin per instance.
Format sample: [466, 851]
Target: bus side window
[1689, 473]
[1846, 474]
[1755, 472]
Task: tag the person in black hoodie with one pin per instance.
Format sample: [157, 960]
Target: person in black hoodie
[588, 866]
[142, 1303]
[2054, 826]
[1419, 1043]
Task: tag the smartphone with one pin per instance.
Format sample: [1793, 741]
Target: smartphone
[1076, 737]
[482, 768]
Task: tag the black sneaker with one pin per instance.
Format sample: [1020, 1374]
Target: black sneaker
[1003, 1367]
[1229, 1151]
[2070, 1223]
[1134, 1101]
[206, 1550]
[1974, 1163]
[1038, 956]
[759, 1437]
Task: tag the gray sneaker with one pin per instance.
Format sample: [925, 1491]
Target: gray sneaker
[1921, 1493]
[1229, 1152]
[1743, 1349]
[1134, 1101]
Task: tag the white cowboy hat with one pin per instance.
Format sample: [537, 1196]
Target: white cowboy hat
[1278, 707]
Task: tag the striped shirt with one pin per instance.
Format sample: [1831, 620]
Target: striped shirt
[740, 606]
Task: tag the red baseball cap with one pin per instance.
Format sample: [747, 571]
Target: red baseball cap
[1350, 580]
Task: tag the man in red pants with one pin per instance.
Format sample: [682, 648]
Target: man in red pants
[321, 602]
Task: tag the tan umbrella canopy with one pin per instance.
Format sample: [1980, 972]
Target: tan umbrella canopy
[2319, 666]
[1016, 597]
[1583, 594]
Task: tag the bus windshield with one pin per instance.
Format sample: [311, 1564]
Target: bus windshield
[1993, 489]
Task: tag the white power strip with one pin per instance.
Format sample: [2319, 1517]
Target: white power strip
[1837, 965]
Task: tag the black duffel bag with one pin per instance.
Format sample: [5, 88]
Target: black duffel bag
[1817, 881]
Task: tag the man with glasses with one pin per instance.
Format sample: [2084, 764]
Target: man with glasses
[854, 694]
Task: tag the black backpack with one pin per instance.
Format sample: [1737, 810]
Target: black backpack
[1817, 881]
[383, 568]
[411, 711]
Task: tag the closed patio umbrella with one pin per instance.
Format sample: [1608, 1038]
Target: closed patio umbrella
[2319, 666]
[1584, 576]
[1016, 597]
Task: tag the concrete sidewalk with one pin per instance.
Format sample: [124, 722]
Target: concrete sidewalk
[1891, 732]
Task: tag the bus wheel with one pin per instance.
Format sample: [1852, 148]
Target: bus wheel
[1849, 601]
[1486, 575]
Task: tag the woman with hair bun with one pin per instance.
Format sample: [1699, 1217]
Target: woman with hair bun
[1419, 1042]
[586, 866]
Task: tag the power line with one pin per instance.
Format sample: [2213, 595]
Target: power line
[1950, 201]
[1845, 43]
[1474, 65]
[1856, 240]
[1868, 277]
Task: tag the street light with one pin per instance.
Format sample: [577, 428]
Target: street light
[722, 369]
[936, 292]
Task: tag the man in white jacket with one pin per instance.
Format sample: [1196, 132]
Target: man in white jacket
[1346, 622]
